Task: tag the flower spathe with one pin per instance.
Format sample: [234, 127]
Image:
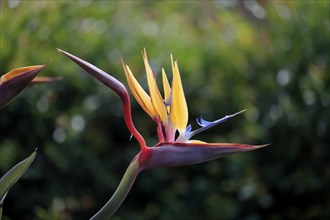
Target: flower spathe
[13, 82]
[170, 113]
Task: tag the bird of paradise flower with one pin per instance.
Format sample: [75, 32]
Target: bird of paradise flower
[170, 113]
[15, 81]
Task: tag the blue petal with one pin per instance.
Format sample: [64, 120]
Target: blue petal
[209, 124]
[188, 129]
[168, 101]
[203, 122]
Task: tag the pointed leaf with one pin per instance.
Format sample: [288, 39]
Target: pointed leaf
[11, 177]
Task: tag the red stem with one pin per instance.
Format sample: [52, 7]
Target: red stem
[128, 119]
[160, 130]
[170, 134]
[117, 87]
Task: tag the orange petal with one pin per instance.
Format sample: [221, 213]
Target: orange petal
[167, 89]
[139, 94]
[18, 71]
[155, 95]
[166, 85]
[179, 109]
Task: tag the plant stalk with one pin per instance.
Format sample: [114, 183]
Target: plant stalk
[121, 192]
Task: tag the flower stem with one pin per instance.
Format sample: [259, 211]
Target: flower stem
[170, 134]
[160, 130]
[121, 192]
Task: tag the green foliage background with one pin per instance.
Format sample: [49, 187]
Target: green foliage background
[271, 57]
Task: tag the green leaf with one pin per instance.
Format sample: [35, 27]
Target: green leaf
[11, 177]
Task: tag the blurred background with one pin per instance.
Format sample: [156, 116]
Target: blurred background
[270, 57]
